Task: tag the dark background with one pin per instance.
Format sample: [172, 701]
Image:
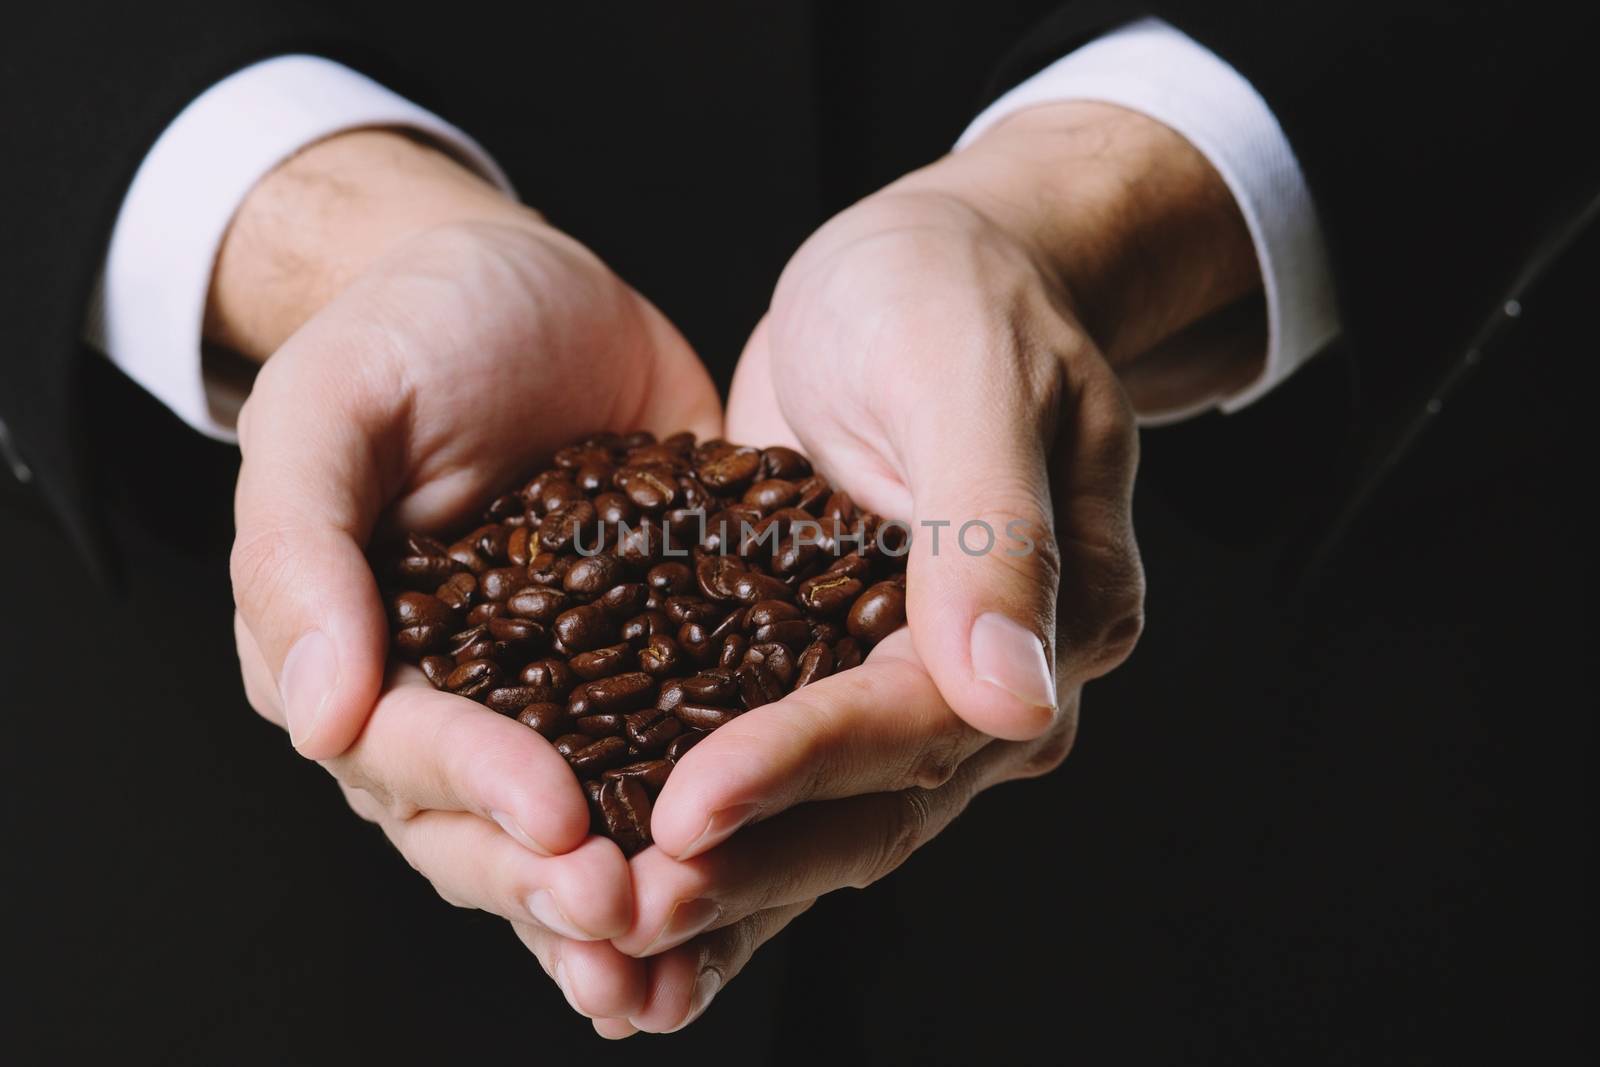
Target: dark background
[1337, 816]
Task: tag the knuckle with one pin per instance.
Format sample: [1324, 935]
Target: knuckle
[937, 762]
[899, 835]
[1048, 754]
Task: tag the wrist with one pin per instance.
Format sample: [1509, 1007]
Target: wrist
[322, 217]
[1124, 216]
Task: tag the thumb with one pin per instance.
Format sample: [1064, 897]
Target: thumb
[987, 562]
[305, 503]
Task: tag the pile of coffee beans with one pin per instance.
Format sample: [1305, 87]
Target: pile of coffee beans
[641, 593]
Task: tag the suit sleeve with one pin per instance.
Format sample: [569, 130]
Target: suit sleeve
[1443, 144]
[89, 88]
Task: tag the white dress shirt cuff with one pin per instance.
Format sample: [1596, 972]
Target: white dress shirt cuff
[149, 309]
[1150, 67]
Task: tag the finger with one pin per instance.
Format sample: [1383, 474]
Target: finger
[1100, 612]
[753, 412]
[986, 564]
[808, 851]
[428, 750]
[583, 895]
[685, 981]
[828, 739]
[259, 687]
[308, 492]
[597, 980]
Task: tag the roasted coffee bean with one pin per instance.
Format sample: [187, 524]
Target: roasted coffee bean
[711, 687]
[492, 543]
[639, 545]
[731, 471]
[639, 594]
[549, 719]
[670, 695]
[602, 662]
[650, 486]
[779, 660]
[459, 591]
[673, 579]
[496, 584]
[879, 612]
[437, 669]
[652, 774]
[705, 716]
[683, 743]
[725, 530]
[539, 603]
[482, 613]
[771, 494]
[593, 576]
[645, 625]
[415, 642]
[567, 744]
[420, 609]
[830, 593]
[468, 556]
[624, 600]
[752, 586]
[520, 637]
[815, 662]
[796, 633]
[766, 612]
[777, 461]
[682, 609]
[694, 638]
[425, 572]
[620, 692]
[757, 684]
[551, 674]
[733, 649]
[473, 678]
[814, 493]
[655, 736]
[548, 569]
[599, 755]
[572, 526]
[614, 508]
[599, 725]
[660, 656]
[584, 627]
[826, 632]
[625, 806]
[510, 699]
[715, 575]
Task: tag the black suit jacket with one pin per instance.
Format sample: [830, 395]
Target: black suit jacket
[1225, 873]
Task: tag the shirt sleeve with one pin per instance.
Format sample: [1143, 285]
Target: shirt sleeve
[148, 311]
[1151, 67]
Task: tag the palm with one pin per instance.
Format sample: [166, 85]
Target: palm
[506, 344]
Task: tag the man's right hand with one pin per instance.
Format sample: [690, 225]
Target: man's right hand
[429, 339]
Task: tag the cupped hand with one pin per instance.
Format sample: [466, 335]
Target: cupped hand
[474, 341]
[928, 348]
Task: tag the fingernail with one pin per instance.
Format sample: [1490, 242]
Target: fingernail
[689, 918]
[543, 907]
[310, 671]
[565, 985]
[1011, 657]
[706, 986]
[511, 827]
[719, 828]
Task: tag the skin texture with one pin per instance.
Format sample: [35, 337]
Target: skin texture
[970, 342]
